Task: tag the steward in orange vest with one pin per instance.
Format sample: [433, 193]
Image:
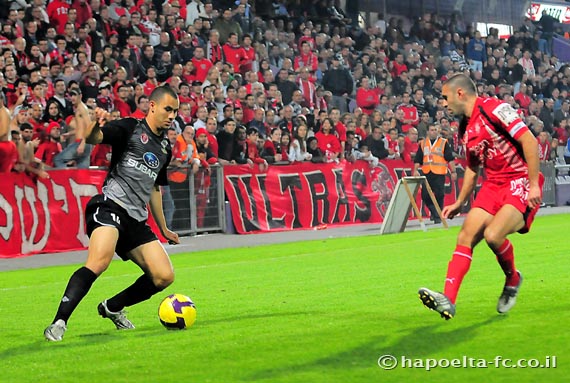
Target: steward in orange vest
[184, 153]
[433, 155]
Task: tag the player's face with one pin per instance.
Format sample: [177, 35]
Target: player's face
[452, 101]
[164, 111]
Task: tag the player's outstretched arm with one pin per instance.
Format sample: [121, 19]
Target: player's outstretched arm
[158, 214]
[469, 182]
[92, 132]
[530, 149]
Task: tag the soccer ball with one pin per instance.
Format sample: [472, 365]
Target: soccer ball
[177, 312]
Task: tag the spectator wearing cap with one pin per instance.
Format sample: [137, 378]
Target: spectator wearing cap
[339, 82]
[104, 100]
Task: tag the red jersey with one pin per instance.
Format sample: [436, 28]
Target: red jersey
[562, 135]
[8, 156]
[57, 13]
[234, 55]
[490, 141]
[310, 61]
[213, 144]
[148, 87]
[202, 67]
[340, 131]
[328, 143]
[101, 155]
[122, 107]
[367, 99]
[410, 113]
[410, 148]
[543, 150]
[47, 151]
[247, 64]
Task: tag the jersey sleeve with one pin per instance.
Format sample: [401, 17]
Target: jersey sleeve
[117, 132]
[162, 178]
[508, 117]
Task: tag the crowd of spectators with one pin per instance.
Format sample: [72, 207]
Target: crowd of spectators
[260, 83]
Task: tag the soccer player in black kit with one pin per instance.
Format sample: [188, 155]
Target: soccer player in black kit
[116, 219]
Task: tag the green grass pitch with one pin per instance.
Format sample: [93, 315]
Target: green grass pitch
[318, 311]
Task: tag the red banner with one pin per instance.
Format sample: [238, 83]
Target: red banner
[307, 195]
[46, 216]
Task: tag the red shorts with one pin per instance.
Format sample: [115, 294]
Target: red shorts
[492, 197]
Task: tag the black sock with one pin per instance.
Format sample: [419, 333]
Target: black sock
[77, 287]
[141, 290]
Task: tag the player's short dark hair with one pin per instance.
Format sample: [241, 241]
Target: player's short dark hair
[462, 81]
[161, 91]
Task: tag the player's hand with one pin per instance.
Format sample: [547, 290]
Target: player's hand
[171, 236]
[534, 198]
[454, 176]
[451, 211]
[102, 115]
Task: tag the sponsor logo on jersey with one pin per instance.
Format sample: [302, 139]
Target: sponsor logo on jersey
[151, 160]
[144, 138]
[142, 168]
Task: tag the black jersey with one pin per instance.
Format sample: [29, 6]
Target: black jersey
[138, 163]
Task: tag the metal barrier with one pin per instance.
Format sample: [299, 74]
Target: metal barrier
[549, 188]
[194, 203]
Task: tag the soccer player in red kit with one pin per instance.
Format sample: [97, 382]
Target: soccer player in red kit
[496, 139]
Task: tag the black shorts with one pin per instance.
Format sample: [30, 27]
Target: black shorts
[101, 211]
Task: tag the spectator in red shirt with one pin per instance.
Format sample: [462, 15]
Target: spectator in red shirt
[57, 13]
[151, 83]
[234, 53]
[366, 98]
[307, 59]
[410, 118]
[142, 108]
[410, 145]
[201, 64]
[398, 66]
[328, 142]
[51, 147]
[121, 103]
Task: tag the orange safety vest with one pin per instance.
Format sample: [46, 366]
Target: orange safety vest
[434, 160]
[180, 174]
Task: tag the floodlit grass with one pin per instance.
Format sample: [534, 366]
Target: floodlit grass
[319, 311]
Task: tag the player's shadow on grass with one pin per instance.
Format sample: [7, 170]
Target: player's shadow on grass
[41, 345]
[419, 342]
[255, 316]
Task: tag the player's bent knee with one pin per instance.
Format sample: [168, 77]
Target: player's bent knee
[163, 280]
[493, 237]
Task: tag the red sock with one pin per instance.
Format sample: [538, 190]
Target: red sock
[456, 270]
[506, 258]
